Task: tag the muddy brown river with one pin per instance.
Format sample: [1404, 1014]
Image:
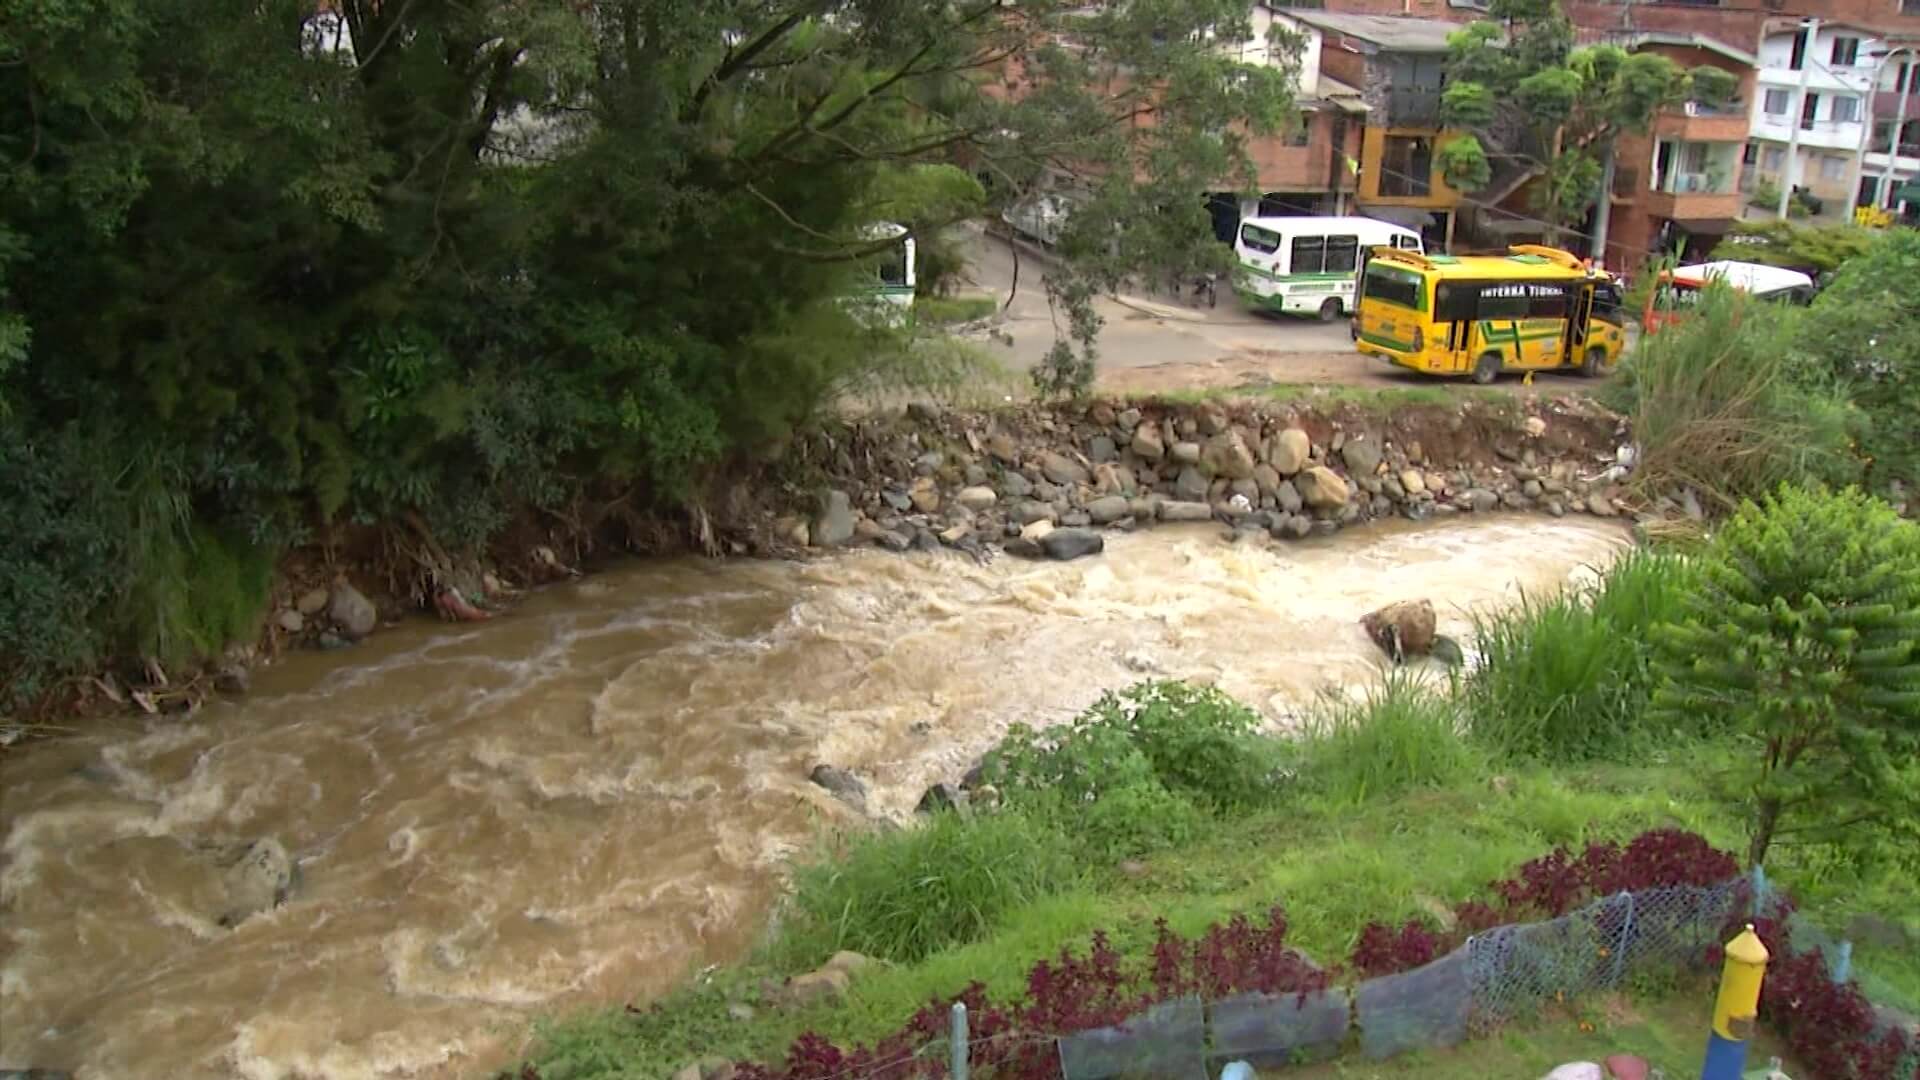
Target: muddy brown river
[581, 801]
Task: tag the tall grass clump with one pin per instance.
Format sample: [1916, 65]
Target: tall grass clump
[907, 894]
[1721, 402]
[1568, 676]
[1403, 735]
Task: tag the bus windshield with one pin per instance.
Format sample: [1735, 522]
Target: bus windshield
[1393, 285]
[1263, 241]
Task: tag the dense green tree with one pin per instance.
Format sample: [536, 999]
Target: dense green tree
[394, 259]
[1816, 249]
[1520, 91]
[1803, 640]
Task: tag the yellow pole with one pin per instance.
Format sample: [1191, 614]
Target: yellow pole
[1736, 1008]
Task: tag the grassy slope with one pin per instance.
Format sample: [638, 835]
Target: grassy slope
[1333, 866]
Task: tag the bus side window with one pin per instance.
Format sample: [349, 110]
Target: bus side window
[1553, 306]
[1343, 252]
[1407, 243]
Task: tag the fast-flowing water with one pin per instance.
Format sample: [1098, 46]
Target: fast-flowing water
[581, 801]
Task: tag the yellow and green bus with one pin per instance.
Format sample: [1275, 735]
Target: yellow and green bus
[1534, 308]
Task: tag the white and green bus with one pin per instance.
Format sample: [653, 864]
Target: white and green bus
[1308, 265]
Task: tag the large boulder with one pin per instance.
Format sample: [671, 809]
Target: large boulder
[1361, 455]
[1061, 469]
[1321, 488]
[1402, 629]
[1226, 454]
[260, 880]
[1290, 451]
[844, 785]
[1186, 453]
[1108, 509]
[834, 525]
[1065, 544]
[976, 498]
[1185, 511]
[1147, 442]
[351, 611]
[1192, 484]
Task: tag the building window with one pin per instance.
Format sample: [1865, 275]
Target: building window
[1406, 166]
[1846, 52]
[1775, 158]
[1900, 77]
[1301, 135]
[1846, 110]
[1910, 7]
[1749, 154]
[1799, 59]
[1809, 108]
[1832, 167]
[1869, 191]
[1777, 100]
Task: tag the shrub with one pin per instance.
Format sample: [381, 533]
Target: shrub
[1719, 402]
[906, 895]
[1383, 951]
[1568, 677]
[1864, 332]
[1195, 741]
[1402, 735]
[1802, 639]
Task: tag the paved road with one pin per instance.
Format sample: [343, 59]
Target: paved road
[1156, 344]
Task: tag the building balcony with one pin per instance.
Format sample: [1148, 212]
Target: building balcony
[1699, 123]
[1824, 134]
[1692, 196]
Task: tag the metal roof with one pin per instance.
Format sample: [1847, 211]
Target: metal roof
[1390, 32]
[1686, 41]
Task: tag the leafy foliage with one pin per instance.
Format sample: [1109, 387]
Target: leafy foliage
[1818, 250]
[1831, 1027]
[1864, 334]
[1803, 637]
[366, 259]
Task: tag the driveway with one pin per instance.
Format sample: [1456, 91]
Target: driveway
[1157, 344]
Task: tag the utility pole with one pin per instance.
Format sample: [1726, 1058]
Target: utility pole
[1811, 27]
[1900, 121]
[1866, 133]
[1603, 214]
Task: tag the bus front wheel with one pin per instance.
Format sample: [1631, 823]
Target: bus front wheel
[1487, 368]
[1596, 364]
[1330, 310]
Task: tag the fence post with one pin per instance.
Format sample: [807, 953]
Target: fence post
[1626, 938]
[957, 1042]
[1842, 961]
[1759, 892]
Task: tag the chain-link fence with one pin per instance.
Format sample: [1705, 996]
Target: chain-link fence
[1497, 976]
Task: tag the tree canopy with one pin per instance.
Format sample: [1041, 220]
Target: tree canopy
[301, 260]
[1519, 90]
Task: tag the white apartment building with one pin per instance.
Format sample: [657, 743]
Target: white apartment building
[1816, 89]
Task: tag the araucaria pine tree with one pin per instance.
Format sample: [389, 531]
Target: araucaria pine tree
[1803, 640]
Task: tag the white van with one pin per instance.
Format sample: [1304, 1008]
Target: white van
[1308, 265]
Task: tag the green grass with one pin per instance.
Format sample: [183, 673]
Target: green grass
[905, 895]
[1403, 736]
[952, 310]
[1567, 676]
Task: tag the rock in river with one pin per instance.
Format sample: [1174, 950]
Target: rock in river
[846, 786]
[1227, 455]
[1109, 509]
[1402, 629]
[1290, 450]
[976, 498]
[260, 880]
[351, 611]
[834, 526]
[1064, 544]
[1147, 443]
